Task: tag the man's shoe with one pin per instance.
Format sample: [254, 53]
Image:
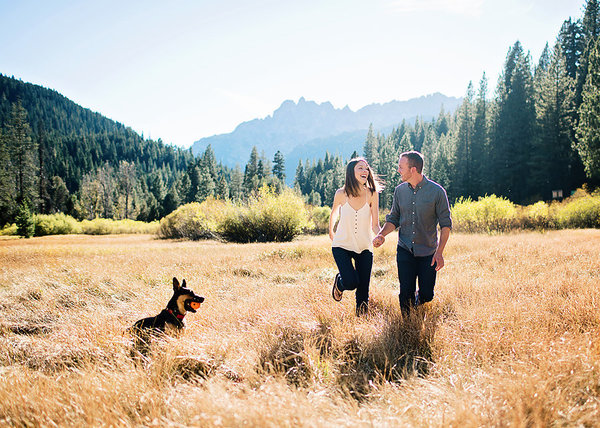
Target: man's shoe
[336, 293]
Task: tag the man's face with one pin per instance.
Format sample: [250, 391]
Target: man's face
[406, 172]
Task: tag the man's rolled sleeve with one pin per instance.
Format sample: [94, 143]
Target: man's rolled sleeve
[443, 210]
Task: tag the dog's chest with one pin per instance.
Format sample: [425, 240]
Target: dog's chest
[173, 330]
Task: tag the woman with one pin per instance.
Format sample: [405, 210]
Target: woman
[357, 204]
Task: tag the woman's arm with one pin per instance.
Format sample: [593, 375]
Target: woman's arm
[337, 202]
[375, 213]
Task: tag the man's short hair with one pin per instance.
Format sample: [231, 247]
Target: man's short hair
[414, 159]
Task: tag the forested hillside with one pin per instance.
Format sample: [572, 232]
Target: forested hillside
[58, 156]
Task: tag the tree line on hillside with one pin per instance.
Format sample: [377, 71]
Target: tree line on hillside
[537, 138]
[537, 134]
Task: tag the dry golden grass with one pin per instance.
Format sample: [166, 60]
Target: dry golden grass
[512, 337]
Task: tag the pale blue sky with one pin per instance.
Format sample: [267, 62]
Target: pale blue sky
[182, 70]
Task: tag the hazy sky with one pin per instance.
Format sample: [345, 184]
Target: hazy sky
[181, 70]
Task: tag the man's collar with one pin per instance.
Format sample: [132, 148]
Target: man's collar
[421, 183]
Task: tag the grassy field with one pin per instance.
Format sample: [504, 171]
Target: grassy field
[512, 337]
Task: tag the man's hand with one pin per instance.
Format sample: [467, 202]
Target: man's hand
[437, 260]
[378, 241]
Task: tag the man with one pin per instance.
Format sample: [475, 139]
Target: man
[418, 207]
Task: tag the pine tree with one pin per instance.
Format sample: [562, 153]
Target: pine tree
[463, 158]
[236, 185]
[22, 152]
[251, 178]
[24, 221]
[554, 109]
[590, 30]
[370, 147]
[171, 201]
[43, 196]
[222, 189]
[59, 195]
[299, 178]
[514, 126]
[442, 124]
[279, 166]
[480, 152]
[570, 42]
[588, 129]
[7, 184]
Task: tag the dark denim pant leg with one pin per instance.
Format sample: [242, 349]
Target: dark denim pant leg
[410, 268]
[426, 274]
[364, 264]
[407, 276]
[343, 260]
[355, 276]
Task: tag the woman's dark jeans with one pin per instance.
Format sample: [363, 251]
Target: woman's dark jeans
[410, 268]
[355, 276]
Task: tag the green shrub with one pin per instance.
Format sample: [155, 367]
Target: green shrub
[266, 217]
[579, 212]
[55, 224]
[319, 220]
[195, 220]
[487, 214]
[103, 226]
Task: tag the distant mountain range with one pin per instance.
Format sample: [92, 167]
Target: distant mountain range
[306, 130]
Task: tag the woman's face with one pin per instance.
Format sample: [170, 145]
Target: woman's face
[361, 172]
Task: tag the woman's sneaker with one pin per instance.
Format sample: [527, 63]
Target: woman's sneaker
[336, 293]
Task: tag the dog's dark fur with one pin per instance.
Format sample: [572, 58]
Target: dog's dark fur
[169, 320]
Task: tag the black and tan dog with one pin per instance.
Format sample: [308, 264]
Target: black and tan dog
[169, 320]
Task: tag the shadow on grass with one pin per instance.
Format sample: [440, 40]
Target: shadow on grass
[402, 349]
[355, 363]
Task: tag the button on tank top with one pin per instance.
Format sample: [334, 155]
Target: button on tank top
[354, 232]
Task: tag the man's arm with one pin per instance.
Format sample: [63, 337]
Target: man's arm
[438, 258]
[392, 221]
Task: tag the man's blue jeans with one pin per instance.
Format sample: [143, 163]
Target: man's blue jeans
[411, 267]
[355, 276]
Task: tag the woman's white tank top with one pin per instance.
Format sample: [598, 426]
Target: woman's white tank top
[354, 231]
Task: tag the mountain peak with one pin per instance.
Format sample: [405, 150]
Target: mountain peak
[294, 126]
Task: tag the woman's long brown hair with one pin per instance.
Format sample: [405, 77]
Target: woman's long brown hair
[352, 186]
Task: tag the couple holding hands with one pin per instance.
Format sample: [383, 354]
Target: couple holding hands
[419, 205]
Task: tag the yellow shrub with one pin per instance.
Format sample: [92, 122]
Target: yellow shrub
[9, 230]
[195, 220]
[579, 212]
[537, 216]
[267, 217]
[319, 219]
[103, 226]
[487, 214]
[56, 224]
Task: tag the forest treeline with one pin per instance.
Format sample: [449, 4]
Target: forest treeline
[537, 136]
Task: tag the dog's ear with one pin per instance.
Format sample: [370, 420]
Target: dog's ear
[183, 284]
[176, 285]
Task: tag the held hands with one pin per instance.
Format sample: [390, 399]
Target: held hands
[378, 240]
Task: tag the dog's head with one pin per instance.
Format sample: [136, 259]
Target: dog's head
[183, 298]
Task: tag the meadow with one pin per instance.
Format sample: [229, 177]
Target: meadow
[512, 337]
